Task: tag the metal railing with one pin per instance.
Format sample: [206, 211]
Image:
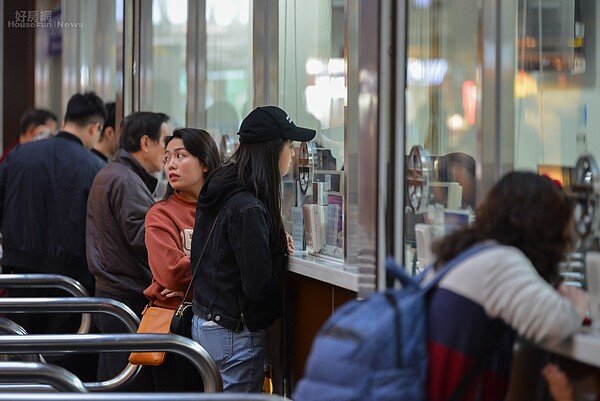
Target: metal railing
[7, 326]
[40, 373]
[62, 305]
[60, 343]
[58, 281]
[68, 284]
[138, 397]
[68, 304]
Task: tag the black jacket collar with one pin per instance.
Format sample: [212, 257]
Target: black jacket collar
[69, 136]
[126, 158]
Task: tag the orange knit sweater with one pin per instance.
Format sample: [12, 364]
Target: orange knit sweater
[169, 227]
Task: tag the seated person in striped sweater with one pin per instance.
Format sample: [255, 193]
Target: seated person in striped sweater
[509, 289]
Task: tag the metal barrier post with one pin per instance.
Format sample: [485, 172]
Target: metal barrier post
[138, 397]
[68, 304]
[65, 283]
[59, 378]
[59, 343]
[68, 284]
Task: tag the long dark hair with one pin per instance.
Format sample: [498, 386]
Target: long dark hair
[524, 210]
[258, 172]
[201, 145]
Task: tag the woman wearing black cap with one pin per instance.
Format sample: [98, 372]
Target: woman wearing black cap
[236, 293]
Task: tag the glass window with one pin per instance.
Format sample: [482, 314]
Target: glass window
[442, 86]
[228, 69]
[163, 60]
[555, 99]
[312, 89]
[75, 50]
[555, 85]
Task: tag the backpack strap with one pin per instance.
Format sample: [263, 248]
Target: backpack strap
[453, 262]
[407, 280]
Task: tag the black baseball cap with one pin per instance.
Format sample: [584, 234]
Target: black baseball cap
[270, 122]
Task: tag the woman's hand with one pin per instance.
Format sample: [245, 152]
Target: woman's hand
[167, 293]
[558, 383]
[579, 298]
[290, 243]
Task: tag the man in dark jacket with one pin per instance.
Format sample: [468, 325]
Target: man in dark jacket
[121, 195]
[108, 143]
[44, 187]
[33, 123]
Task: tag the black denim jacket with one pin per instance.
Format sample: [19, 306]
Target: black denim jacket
[238, 278]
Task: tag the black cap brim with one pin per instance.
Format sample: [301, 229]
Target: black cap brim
[300, 134]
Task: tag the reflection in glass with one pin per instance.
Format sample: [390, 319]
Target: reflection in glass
[555, 83]
[228, 65]
[313, 90]
[442, 89]
[70, 60]
[165, 78]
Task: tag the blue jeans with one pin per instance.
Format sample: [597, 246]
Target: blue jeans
[240, 356]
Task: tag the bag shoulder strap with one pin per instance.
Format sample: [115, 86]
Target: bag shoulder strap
[187, 291]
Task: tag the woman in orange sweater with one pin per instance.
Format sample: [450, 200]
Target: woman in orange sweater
[190, 154]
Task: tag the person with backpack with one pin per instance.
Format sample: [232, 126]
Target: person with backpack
[448, 334]
[512, 288]
[239, 223]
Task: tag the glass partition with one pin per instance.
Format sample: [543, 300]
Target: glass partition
[75, 50]
[163, 58]
[228, 96]
[546, 69]
[312, 89]
[555, 86]
[443, 84]
[555, 99]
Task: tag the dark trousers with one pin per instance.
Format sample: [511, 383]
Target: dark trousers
[177, 374]
[110, 364]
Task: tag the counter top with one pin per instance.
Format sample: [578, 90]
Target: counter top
[326, 270]
[583, 347]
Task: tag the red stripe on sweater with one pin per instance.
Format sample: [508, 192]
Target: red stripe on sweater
[446, 370]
